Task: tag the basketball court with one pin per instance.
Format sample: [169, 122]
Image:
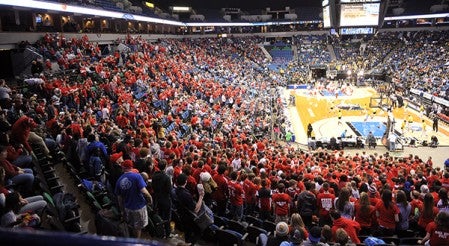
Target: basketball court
[359, 113]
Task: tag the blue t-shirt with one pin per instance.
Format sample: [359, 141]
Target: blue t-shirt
[128, 187]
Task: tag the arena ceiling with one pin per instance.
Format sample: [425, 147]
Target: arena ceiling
[412, 6]
[243, 4]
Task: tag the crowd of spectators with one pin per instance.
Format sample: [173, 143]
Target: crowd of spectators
[420, 62]
[201, 111]
[312, 50]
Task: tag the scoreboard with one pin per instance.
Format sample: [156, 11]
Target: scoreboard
[359, 14]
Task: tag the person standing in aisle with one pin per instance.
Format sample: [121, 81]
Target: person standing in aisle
[187, 207]
[133, 198]
[162, 201]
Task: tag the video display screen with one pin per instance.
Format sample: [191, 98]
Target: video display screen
[326, 17]
[355, 31]
[360, 14]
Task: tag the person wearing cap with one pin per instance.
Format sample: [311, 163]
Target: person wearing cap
[114, 168]
[374, 195]
[281, 234]
[186, 206]
[314, 237]
[133, 198]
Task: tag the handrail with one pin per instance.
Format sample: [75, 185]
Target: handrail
[34, 51]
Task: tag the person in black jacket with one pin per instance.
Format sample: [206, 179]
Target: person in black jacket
[162, 201]
[186, 206]
[307, 204]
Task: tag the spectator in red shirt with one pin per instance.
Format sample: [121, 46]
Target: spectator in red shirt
[264, 195]
[325, 202]
[428, 212]
[350, 226]
[236, 197]
[387, 214]
[373, 194]
[365, 214]
[221, 194]
[250, 192]
[21, 129]
[437, 231]
[281, 203]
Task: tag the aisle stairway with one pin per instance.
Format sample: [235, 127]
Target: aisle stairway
[331, 50]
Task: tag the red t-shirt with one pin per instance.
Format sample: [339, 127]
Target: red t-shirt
[424, 220]
[264, 199]
[365, 219]
[437, 236]
[386, 215]
[325, 202]
[281, 202]
[236, 193]
[416, 204]
[250, 190]
[350, 226]
[221, 193]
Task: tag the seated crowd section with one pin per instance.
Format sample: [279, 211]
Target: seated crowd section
[200, 111]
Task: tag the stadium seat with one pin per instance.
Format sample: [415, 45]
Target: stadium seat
[254, 232]
[229, 237]
[253, 221]
[236, 226]
[269, 226]
[409, 241]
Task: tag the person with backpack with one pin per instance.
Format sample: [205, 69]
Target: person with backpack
[133, 198]
[161, 185]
